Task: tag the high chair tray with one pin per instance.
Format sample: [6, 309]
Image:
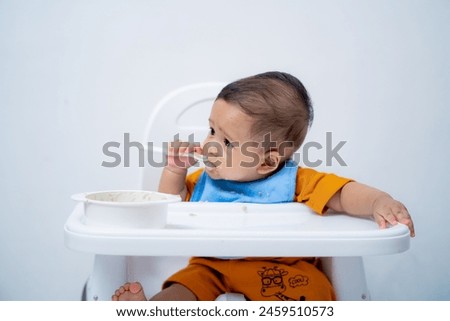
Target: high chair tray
[239, 229]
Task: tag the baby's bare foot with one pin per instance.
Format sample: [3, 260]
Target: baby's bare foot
[129, 292]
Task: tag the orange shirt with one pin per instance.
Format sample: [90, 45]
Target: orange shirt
[313, 188]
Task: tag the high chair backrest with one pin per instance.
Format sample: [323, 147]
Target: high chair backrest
[182, 114]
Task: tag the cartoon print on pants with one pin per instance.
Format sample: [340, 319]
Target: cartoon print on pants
[273, 283]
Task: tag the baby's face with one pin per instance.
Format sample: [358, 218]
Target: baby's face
[230, 150]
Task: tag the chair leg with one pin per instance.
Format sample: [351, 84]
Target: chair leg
[231, 297]
[109, 273]
[83, 294]
[347, 276]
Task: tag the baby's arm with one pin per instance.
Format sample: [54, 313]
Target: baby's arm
[173, 178]
[362, 200]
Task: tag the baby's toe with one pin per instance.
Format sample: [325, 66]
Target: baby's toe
[135, 287]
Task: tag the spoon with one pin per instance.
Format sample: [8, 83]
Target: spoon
[197, 157]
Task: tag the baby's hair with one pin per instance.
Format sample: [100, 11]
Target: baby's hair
[279, 104]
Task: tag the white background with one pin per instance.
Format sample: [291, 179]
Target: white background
[77, 74]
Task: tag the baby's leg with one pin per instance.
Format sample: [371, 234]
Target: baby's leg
[129, 292]
[175, 292]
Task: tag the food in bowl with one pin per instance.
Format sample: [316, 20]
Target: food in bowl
[126, 208]
[127, 196]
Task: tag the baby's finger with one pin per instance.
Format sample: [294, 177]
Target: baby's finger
[198, 150]
[404, 218]
[380, 221]
[388, 216]
[184, 147]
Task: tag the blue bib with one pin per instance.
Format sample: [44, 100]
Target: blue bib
[277, 188]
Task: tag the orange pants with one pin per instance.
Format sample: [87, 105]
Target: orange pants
[258, 279]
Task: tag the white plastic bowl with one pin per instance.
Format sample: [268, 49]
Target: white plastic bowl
[126, 208]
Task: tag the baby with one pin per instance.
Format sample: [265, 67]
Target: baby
[256, 125]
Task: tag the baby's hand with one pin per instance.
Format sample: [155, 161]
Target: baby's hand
[388, 210]
[177, 155]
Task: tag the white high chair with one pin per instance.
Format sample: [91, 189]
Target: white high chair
[223, 229]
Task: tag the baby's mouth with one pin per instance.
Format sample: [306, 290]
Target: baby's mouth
[209, 164]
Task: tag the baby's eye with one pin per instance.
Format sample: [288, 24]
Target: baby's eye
[211, 131]
[227, 143]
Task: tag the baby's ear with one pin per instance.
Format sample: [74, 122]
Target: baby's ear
[270, 163]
